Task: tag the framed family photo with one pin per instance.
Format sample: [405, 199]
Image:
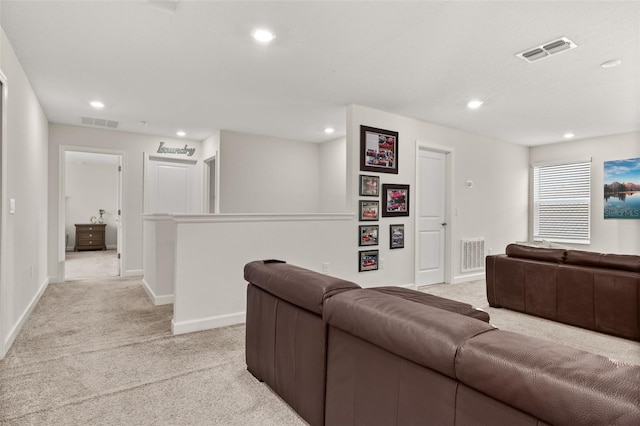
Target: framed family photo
[368, 260]
[396, 236]
[369, 210]
[369, 186]
[378, 150]
[395, 200]
[368, 235]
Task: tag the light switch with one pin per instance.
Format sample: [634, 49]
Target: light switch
[12, 206]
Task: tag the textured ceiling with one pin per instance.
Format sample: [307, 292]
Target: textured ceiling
[198, 69]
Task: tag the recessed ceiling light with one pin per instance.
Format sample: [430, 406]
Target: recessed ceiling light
[328, 130]
[568, 135]
[96, 104]
[610, 64]
[475, 104]
[263, 36]
[181, 133]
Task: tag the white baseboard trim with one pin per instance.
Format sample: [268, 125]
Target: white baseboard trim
[207, 323]
[15, 330]
[467, 278]
[166, 299]
[411, 286]
[133, 273]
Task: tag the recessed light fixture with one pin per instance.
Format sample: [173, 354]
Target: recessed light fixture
[96, 104]
[568, 135]
[612, 63]
[329, 130]
[263, 36]
[181, 133]
[475, 104]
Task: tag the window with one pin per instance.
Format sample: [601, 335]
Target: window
[562, 202]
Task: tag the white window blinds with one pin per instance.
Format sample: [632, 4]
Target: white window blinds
[562, 202]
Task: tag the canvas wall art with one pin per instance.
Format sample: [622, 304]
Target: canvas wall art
[622, 189]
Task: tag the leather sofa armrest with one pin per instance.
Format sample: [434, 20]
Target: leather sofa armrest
[423, 334]
[299, 286]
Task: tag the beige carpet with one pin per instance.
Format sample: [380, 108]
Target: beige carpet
[90, 264]
[98, 352]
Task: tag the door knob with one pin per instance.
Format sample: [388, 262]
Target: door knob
[444, 224]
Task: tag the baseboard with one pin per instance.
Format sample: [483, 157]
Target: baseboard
[23, 318]
[467, 278]
[133, 273]
[411, 286]
[218, 321]
[166, 299]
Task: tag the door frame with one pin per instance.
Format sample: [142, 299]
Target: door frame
[449, 230]
[62, 167]
[207, 184]
[4, 212]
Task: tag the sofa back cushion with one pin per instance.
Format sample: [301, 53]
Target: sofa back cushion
[536, 253]
[423, 334]
[299, 286]
[623, 262]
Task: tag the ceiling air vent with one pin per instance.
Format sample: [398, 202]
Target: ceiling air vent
[539, 52]
[101, 122]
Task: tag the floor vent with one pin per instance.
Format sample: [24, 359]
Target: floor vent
[101, 122]
[472, 255]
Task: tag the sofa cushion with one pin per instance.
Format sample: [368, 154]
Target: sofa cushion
[559, 384]
[423, 334]
[435, 301]
[536, 253]
[299, 286]
[623, 262]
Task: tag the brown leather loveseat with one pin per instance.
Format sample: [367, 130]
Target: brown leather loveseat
[339, 354]
[599, 292]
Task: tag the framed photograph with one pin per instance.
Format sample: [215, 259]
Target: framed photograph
[369, 186]
[396, 236]
[368, 260]
[378, 150]
[369, 210]
[368, 235]
[395, 200]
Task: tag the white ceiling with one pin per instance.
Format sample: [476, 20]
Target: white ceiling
[199, 70]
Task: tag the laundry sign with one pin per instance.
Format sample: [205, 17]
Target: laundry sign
[180, 151]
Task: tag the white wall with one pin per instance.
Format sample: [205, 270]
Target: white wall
[260, 174]
[132, 146]
[89, 188]
[333, 176]
[610, 235]
[496, 208]
[24, 178]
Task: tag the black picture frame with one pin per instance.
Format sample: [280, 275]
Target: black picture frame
[368, 235]
[369, 210]
[369, 186]
[395, 200]
[368, 260]
[378, 150]
[396, 236]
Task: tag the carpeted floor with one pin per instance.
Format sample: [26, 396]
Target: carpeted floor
[90, 264]
[98, 352]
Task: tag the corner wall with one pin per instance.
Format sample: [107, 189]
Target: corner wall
[610, 235]
[24, 178]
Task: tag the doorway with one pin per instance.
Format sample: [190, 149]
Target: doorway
[3, 308]
[433, 224]
[91, 197]
[211, 185]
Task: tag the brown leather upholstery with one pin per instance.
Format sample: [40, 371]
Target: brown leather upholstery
[596, 291]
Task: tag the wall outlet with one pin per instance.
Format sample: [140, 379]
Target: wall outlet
[325, 268]
[489, 250]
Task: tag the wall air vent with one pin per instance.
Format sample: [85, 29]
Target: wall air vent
[101, 122]
[545, 50]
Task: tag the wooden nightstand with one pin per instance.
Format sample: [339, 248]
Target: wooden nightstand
[90, 237]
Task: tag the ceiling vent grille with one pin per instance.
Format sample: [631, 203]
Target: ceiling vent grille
[101, 122]
[545, 50]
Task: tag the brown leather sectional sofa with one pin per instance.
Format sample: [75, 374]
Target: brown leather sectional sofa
[342, 355]
[600, 292]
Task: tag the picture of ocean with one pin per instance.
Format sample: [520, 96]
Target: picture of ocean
[622, 189]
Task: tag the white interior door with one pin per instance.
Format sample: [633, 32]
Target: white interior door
[119, 243]
[431, 217]
[172, 186]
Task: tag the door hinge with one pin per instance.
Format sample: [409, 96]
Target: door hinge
[118, 255]
[119, 212]
[119, 168]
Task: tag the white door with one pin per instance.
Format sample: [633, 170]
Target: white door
[430, 250]
[119, 243]
[172, 186]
